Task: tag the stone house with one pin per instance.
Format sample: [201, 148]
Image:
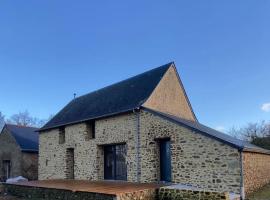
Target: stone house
[18, 152]
[143, 129]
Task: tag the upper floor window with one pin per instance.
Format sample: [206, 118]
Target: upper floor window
[62, 135]
[90, 130]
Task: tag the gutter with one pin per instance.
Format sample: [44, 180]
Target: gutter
[29, 150]
[167, 117]
[256, 150]
[84, 120]
[242, 188]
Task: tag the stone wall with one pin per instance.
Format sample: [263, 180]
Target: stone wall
[29, 165]
[177, 194]
[148, 194]
[88, 153]
[256, 169]
[9, 150]
[22, 163]
[196, 159]
[37, 193]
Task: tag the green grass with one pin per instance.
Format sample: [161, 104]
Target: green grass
[262, 194]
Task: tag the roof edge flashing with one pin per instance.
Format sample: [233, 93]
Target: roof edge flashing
[88, 119]
[193, 128]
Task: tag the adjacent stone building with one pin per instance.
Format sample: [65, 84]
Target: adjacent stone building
[18, 152]
[143, 129]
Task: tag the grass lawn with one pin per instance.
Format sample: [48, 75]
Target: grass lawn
[263, 194]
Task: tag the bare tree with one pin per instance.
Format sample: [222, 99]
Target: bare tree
[235, 132]
[25, 119]
[2, 120]
[256, 133]
[251, 131]
[22, 119]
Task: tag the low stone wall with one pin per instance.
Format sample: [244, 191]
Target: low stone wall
[182, 194]
[256, 169]
[37, 193]
[164, 193]
[149, 194]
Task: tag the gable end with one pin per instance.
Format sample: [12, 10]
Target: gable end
[170, 97]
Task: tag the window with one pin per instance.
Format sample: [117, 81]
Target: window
[62, 135]
[90, 130]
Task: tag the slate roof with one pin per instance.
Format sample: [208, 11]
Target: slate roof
[222, 137]
[26, 137]
[118, 98]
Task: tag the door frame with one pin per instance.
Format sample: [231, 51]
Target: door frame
[7, 168]
[163, 140]
[114, 160]
[71, 174]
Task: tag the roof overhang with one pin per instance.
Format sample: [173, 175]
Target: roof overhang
[256, 150]
[89, 119]
[239, 147]
[29, 150]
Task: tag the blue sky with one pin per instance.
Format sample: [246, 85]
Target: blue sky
[51, 49]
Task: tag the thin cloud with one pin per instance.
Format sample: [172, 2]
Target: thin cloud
[266, 107]
[220, 128]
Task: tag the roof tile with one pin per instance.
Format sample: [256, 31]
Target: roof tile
[117, 98]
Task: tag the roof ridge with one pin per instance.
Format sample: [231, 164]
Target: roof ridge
[127, 79]
[121, 96]
[20, 126]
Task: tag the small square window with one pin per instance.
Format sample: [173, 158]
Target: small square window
[62, 135]
[90, 130]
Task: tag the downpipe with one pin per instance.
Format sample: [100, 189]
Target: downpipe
[138, 145]
[242, 188]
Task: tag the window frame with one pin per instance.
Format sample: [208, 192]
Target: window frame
[62, 135]
[90, 130]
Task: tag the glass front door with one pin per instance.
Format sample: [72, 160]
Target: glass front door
[115, 167]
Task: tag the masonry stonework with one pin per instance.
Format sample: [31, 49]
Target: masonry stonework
[256, 169]
[181, 194]
[147, 194]
[196, 159]
[21, 163]
[88, 154]
[9, 150]
[29, 165]
[39, 193]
